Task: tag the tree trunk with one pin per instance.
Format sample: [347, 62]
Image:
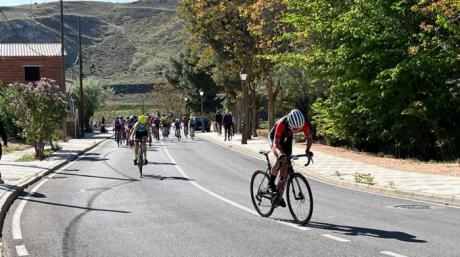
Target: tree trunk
[271, 103]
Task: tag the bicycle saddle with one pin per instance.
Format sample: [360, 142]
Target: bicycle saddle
[264, 152]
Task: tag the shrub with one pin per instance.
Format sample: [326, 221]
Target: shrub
[38, 108]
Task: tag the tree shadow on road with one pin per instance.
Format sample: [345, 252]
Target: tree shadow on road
[23, 194]
[162, 163]
[360, 231]
[74, 206]
[159, 177]
[102, 177]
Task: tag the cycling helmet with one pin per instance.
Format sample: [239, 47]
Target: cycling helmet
[296, 119]
[143, 119]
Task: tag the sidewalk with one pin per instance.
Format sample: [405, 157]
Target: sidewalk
[340, 171]
[19, 174]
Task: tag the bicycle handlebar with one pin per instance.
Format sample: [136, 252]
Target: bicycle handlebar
[297, 156]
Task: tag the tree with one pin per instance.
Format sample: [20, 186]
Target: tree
[191, 71]
[391, 68]
[95, 97]
[38, 108]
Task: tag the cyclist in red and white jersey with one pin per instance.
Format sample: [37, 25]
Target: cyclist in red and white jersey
[280, 140]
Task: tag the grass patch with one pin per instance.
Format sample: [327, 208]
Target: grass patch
[364, 178]
[31, 157]
[27, 158]
[15, 147]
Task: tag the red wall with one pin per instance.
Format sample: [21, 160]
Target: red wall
[12, 68]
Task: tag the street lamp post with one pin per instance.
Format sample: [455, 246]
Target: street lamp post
[202, 112]
[244, 133]
[185, 107]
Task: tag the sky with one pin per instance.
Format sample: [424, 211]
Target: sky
[18, 2]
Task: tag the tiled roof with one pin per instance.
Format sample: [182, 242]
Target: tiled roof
[36, 49]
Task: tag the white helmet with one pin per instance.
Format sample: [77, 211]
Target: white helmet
[296, 119]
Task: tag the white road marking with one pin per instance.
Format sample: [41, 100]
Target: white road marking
[237, 205]
[336, 238]
[293, 225]
[392, 254]
[344, 187]
[16, 222]
[21, 250]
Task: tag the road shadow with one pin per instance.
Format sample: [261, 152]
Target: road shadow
[30, 194]
[361, 231]
[9, 188]
[92, 159]
[101, 177]
[163, 163]
[74, 206]
[91, 154]
[159, 177]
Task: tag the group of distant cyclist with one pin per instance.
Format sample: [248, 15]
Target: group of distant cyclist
[137, 131]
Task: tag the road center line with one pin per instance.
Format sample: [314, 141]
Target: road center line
[237, 205]
[392, 254]
[21, 250]
[336, 238]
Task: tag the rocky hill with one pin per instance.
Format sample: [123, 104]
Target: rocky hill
[122, 43]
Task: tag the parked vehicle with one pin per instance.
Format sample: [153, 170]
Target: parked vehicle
[199, 127]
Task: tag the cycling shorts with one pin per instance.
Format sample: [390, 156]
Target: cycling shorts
[141, 134]
[117, 127]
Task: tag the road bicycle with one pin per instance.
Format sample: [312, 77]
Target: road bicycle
[118, 137]
[165, 132]
[185, 131]
[140, 156]
[177, 133]
[156, 132]
[298, 192]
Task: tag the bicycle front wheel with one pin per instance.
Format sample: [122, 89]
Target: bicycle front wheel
[299, 198]
[260, 195]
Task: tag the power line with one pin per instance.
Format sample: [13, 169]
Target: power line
[17, 34]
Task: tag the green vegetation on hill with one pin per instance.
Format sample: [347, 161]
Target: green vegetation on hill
[122, 43]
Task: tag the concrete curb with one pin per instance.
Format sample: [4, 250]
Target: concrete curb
[419, 196]
[8, 198]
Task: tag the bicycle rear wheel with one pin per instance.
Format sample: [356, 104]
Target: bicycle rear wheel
[299, 198]
[140, 162]
[260, 195]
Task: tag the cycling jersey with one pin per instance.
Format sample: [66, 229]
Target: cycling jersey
[141, 130]
[281, 135]
[177, 125]
[117, 124]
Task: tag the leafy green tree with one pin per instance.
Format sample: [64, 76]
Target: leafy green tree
[39, 109]
[391, 67]
[95, 97]
[190, 72]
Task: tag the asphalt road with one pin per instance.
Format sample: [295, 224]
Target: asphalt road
[194, 201]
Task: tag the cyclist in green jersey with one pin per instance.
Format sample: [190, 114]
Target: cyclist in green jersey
[140, 132]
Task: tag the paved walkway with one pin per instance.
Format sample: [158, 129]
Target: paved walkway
[19, 174]
[341, 171]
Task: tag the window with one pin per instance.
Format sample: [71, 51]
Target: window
[32, 73]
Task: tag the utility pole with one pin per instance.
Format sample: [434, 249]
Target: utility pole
[80, 60]
[143, 107]
[63, 86]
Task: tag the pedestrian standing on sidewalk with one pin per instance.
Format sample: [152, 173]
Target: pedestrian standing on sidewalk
[5, 143]
[228, 121]
[219, 122]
